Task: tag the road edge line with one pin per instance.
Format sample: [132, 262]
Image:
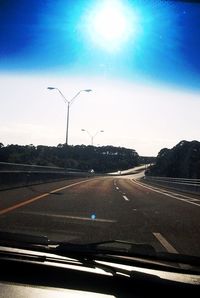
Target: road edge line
[161, 191]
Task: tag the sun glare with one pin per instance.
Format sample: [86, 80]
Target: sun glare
[111, 24]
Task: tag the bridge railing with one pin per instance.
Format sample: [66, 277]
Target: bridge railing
[189, 185]
[18, 175]
[13, 167]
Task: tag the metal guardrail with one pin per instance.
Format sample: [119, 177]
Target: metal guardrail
[191, 185]
[185, 181]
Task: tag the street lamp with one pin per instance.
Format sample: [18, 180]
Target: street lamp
[69, 103]
[92, 136]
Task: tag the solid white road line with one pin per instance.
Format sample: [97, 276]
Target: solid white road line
[167, 193]
[165, 243]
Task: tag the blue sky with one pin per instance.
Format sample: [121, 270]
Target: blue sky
[148, 59]
[56, 35]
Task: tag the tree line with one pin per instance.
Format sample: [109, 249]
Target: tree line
[182, 161]
[101, 159]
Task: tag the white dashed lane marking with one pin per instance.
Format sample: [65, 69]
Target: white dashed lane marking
[125, 198]
[121, 192]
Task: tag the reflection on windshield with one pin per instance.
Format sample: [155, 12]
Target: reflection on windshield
[99, 122]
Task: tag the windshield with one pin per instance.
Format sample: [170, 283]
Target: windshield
[99, 123]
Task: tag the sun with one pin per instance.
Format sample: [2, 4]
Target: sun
[111, 24]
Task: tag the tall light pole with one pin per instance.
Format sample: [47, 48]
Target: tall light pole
[69, 103]
[92, 136]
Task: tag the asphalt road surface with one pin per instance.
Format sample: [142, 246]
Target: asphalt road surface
[105, 208]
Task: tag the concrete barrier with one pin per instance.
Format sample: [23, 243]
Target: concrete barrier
[10, 180]
[19, 175]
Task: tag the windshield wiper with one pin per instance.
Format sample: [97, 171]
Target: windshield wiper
[11, 236]
[111, 246]
[139, 254]
[125, 248]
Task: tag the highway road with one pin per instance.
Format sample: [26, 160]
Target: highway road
[105, 208]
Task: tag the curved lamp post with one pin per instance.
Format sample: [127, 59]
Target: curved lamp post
[69, 103]
[92, 136]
